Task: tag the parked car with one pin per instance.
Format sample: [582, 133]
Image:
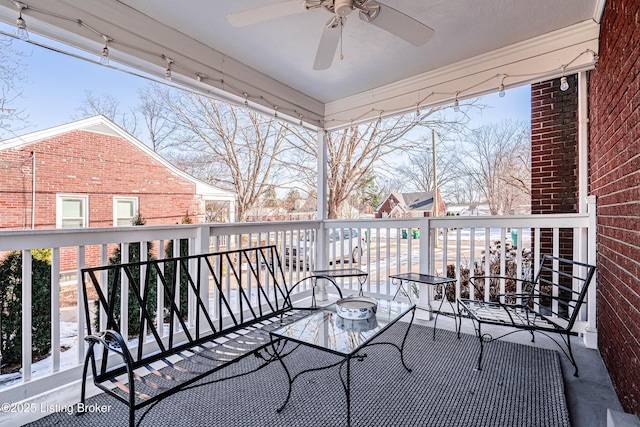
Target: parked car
[344, 245]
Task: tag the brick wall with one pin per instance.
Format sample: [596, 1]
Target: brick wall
[614, 102]
[93, 164]
[554, 156]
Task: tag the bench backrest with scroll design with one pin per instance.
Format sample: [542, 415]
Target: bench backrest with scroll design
[224, 291]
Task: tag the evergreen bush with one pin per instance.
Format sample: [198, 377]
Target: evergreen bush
[183, 281]
[11, 306]
[134, 316]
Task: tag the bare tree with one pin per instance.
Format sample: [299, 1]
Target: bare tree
[12, 76]
[353, 151]
[108, 106]
[237, 149]
[155, 116]
[417, 174]
[496, 160]
[463, 190]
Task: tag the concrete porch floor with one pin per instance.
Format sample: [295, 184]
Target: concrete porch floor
[588, 396]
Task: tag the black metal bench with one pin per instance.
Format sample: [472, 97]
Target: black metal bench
[196, 333]
[550, 303]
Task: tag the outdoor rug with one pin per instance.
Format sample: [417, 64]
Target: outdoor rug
[518, 386]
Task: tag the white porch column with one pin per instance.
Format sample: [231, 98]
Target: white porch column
[583, 142]
[232, 211]
[586, 239]
[591, 331]
[321, 238]
[426, 291]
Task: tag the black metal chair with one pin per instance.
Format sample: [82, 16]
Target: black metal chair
[550, 303]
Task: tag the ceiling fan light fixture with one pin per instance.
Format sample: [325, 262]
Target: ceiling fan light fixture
[343, 8]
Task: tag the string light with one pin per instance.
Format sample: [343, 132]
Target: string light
[23, 34]
[275, 111]
[564, 84]
[21, 25]
[167, 73]
[104, 58]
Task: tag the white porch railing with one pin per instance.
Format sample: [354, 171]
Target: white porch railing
[381, 247]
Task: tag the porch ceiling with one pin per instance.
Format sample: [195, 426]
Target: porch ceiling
[477, 46]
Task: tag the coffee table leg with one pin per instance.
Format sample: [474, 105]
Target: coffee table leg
[277, 353]
[435, 322]
[404, 340]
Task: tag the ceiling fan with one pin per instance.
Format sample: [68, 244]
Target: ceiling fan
[371, 11]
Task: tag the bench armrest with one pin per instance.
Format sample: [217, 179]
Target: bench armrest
[313, 289]
[111, 340]
[473, 280]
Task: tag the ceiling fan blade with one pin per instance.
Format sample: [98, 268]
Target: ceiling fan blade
[265, 13]
[328, 45]
[399, 24]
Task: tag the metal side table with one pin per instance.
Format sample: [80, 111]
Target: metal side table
[426, 279]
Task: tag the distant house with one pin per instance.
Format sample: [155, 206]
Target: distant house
[409, 205]
[91, 173]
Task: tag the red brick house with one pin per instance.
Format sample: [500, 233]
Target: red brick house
[91, 173]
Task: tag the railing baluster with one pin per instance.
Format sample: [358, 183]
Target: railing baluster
[503, 260]
[487, 260]
[55, 308]
[80, 301]
[458, 262]
[27, 314]
[160, 292]
[472, 259]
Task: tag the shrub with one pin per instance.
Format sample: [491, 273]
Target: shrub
[134, 316]
[183, 281]
[11, 306]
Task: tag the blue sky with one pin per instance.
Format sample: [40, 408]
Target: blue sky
[57, 85]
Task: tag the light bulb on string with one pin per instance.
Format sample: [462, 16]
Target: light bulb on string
[246, 100]
[501, 92]
[104, 58]
[21, 25]
[167, 73]
[564, 84]
[456, 105]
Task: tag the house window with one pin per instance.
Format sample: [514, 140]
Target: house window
[72, 211]
[124, 210]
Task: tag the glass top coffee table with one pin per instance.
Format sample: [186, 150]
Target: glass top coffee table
[324, 330]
